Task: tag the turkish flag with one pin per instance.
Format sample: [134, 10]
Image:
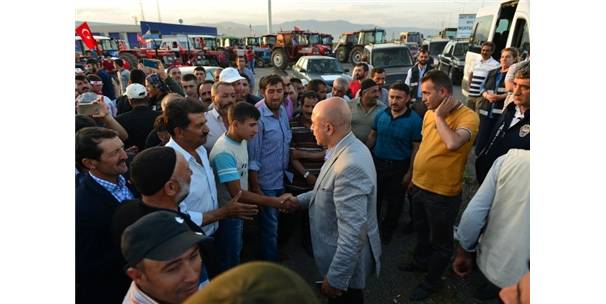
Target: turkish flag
[140, 40]
[87, 36]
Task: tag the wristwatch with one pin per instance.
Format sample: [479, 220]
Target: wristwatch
[306, 174]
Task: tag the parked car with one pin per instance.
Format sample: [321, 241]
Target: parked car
[395, 58]
[452, 60]
[434, 47]
[326, 68]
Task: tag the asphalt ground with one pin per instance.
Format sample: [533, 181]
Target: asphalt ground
[392, 285]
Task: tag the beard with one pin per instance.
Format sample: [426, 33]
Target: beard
[183, 193]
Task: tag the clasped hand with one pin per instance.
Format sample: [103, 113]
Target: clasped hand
[289, 203]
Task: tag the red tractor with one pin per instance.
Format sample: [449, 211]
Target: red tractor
[290, 46]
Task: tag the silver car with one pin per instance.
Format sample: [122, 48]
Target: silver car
[326, 68]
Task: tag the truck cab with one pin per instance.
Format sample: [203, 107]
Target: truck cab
[506, 24]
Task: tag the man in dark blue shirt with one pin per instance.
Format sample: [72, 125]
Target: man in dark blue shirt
[394, 141]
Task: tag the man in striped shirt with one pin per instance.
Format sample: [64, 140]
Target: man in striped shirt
[478, 74]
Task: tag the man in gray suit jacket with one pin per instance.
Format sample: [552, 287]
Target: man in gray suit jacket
[342, 206]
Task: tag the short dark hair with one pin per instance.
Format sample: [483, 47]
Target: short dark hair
[199, 68]
[309, 94]
[439, 80]
[272, 79]
[87, 141]
[242, 111]
[81, 78]
[240, 57]
[363, 65]
[83, 121]
[176, 114]
[93, 77]
[203, 83]
[295, 79]
[246, 77]
[424, 51]
[170, 68]
[488, 43]
[137, 76]
[314, 85]
[523, 72]
[119, 62]
[376, 71]
[400, 86]
[189, 77]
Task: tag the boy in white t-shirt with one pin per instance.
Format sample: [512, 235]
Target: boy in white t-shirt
[229, 160]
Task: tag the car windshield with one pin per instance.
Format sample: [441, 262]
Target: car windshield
[391, 57]
[324, 66]
[461, 49]
[327, 40]
[435, 48]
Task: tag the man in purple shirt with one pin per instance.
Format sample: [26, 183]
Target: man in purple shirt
[268, 160]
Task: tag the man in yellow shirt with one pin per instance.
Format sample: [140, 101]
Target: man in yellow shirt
[449, 129]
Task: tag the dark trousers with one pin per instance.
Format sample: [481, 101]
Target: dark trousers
[351, 296]
[484, 132]
[390, 190]
[434, 216]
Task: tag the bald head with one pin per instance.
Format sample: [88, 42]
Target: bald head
[335, 111]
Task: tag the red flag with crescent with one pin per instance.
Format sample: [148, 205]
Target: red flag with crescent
[87, 36]
[140, 40]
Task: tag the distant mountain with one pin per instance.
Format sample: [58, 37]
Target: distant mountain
[334, 28]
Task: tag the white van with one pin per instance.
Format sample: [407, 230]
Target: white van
[506, 24]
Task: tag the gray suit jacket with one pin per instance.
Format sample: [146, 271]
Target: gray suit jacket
[343, 216]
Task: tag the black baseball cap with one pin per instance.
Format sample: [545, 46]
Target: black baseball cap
[159, 236]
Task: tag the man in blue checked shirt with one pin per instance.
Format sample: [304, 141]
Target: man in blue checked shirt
[268, 159]
[99, 275]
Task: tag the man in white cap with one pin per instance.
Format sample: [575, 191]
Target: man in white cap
[232, 76]
[139, 121]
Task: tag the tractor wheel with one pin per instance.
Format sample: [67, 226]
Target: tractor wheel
[341, 55]
[279, 59]
[356, 55]
[259, 63]
[132, 59]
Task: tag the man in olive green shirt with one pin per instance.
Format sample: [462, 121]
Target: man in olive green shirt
[364, 109]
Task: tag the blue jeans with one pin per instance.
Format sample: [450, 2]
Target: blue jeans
[268, 218]
[251, 65]
[228, 240]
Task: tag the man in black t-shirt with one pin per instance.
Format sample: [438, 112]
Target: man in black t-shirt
[139, 121]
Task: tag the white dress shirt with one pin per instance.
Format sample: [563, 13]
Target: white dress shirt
[202, 195]
[216, 128]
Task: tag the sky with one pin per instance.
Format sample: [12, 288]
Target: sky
[418, 13]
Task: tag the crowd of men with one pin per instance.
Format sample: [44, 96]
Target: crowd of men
[172, 169]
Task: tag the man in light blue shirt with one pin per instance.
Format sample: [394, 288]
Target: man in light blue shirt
[268, 154]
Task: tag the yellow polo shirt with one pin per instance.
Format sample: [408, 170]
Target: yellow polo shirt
[436, 169]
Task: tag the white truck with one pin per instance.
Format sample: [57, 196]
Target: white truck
[506, 24]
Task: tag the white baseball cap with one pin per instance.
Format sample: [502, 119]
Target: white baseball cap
[135, 91]
[230, 75]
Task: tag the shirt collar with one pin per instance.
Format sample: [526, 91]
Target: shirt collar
[331, 151]
[173, 144]
[138, 296]
[102, 182]
[215, 113]
[265, 111]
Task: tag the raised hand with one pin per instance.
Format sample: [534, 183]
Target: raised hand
[236, 209]
[446, 106]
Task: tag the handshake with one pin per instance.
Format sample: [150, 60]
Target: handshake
[288, 203]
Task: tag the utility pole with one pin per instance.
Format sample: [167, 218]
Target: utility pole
[269, 17]
[158, 8]
[141, 7]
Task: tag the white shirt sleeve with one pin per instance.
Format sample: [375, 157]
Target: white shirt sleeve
[408, 76]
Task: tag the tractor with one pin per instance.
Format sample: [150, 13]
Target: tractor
[316, 40]
[290, 46]
[262, 53]
[350, 46]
